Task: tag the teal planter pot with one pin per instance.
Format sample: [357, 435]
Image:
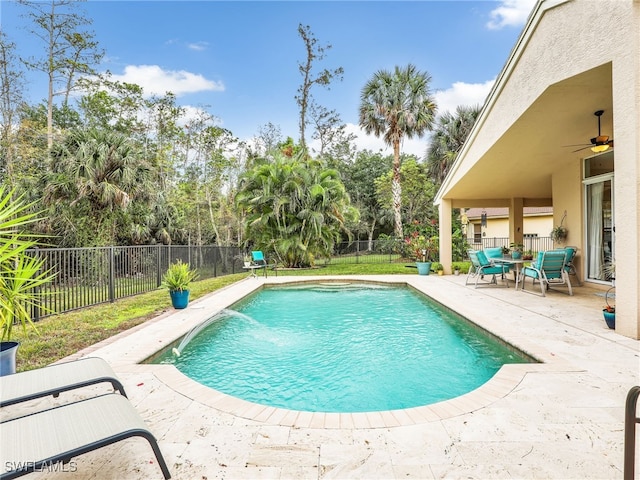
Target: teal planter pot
[179, 298]
[8, 352]
[610, 319]
[423, 268]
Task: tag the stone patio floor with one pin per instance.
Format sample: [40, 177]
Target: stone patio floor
[560, 419]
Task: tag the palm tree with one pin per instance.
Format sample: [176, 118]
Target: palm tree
[98, 173]
[295, 208]
[449, 134]
[397, 105]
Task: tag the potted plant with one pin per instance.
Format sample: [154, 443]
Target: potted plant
[177, 279]
[439, 268]
[20, 275]
[609, 311]
[559, 234]
[424, 250]
[456, 270]
[528, 255]
[505, 251]
[516, 250]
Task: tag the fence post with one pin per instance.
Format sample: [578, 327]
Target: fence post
[36, 307]
[357, 251]
[112, 275]
[158, 264]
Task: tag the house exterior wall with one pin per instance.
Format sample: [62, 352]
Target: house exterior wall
[567, 39]
[499, 227]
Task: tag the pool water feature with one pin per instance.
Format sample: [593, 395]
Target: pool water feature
[341, 348]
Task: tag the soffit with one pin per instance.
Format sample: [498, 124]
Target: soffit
[521, 162]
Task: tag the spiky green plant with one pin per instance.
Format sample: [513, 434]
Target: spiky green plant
[178, 276]
[20, 273]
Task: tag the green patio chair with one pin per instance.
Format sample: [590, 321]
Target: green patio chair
[548, 270]
[481, 267]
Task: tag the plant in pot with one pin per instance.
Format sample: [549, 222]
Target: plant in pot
[424, 250]
[177, 279]
[516, 250]
[21, 274]
[456, 270]
[609, 311]
[505, 251]
[559, 234]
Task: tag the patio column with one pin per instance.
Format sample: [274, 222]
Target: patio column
[516, 220]
[444, 210]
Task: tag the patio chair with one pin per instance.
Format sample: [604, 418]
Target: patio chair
[38, 441]
[55, 379]
[493, 252]
[481, 266]
[258, 258]
[569, 267]
[548, 270]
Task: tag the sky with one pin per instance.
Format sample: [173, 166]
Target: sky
[238, 60]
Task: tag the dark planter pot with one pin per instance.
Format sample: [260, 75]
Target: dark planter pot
[8, 352]
[179, 298]
[610, 318]
[423, 268]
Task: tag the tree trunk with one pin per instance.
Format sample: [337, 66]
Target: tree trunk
[396, 191]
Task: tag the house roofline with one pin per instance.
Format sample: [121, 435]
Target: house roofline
[541, 7]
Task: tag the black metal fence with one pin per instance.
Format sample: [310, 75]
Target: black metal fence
[389, 250]
[90, 276]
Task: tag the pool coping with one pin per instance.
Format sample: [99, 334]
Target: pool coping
[128, 351]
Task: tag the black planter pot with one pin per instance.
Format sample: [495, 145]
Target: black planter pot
[8, 352]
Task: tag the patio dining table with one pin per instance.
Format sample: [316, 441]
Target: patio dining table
[515, 262]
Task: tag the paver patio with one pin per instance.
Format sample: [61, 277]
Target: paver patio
[561, 419]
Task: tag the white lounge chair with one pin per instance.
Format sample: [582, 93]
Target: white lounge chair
[40, 440]
[55, 379]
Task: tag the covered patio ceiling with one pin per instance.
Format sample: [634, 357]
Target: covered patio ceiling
[521, 162]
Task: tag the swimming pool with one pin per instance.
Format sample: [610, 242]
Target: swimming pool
[341, 348]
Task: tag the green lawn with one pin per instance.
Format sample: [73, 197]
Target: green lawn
[64, 334]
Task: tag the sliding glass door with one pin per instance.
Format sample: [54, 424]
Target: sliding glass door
[600, 225]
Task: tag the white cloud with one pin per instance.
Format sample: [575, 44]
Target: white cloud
[461, 93]
[198, 46]
[510, 13]
[156, 81]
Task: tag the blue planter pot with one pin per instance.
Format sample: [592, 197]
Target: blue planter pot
[423, 268]
[516, 255]
[610, 319]
[8, 352]
[179, 298]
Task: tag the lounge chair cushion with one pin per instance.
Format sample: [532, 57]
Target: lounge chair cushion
[493, 252]
[482, 258]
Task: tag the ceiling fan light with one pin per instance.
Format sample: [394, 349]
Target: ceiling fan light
[600, 148]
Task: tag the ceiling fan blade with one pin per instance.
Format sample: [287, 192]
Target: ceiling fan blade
[578, 145]
[583, 148]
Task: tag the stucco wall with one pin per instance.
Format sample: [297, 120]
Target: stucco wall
[564, 40]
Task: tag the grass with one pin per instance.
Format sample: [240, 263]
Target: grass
[65, 334]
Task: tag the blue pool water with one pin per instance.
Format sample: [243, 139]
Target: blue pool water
[333, 348]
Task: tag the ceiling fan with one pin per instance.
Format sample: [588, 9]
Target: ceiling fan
[598, 144]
